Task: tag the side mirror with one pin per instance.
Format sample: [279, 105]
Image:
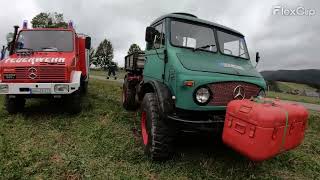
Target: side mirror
[88, 42]
[257, 57]
[150, 34]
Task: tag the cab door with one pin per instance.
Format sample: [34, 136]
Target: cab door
[154, 55]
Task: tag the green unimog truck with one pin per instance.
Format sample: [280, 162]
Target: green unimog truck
[183, 81]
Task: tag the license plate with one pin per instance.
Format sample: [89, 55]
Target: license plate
[40, 91]
[9, 76]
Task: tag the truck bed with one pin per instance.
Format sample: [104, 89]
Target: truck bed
[134, 62]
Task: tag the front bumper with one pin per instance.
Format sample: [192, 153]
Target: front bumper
[193, 121]
[37, 88]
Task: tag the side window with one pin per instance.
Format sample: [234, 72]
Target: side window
[163, 41]
[160, 37]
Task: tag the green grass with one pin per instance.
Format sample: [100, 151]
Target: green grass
[46, 143]
[288, 86]
[96, 72]
[291, 97]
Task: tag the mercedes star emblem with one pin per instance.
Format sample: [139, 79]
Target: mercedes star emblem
[238, 93]
[32, 72]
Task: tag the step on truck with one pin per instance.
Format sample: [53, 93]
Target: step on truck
[48, 63]
[183, 81]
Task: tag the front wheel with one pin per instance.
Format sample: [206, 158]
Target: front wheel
[73, 102]
[14, 105]
[84, 87]
[157, 135]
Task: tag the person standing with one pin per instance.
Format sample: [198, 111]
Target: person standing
[112, 70]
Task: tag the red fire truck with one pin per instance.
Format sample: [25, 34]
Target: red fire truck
[45, 63]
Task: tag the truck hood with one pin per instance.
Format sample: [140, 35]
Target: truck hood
[208, 62]
[38, 59]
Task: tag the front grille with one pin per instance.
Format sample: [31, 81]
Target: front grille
[223, 92]
[41, 74]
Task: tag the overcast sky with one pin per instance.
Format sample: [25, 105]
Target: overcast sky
[284, 42]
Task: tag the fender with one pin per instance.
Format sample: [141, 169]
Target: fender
[76, 77]
[163, 94]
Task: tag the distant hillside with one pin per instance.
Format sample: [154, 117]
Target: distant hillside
[306, 76]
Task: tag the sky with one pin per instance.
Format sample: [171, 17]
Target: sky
[286, 33]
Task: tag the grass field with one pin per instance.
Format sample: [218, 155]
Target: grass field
[290, 97]
[288, 86]
[46, 143]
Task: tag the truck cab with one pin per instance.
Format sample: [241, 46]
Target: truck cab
[45, 63]
[192, 69]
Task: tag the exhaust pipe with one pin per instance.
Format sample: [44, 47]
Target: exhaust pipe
[12, 43]
[3, 51]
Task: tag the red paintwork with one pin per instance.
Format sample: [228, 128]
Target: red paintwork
[256, 130]
[144, 131]
[82, 56]
[47, 72]
[134, 77]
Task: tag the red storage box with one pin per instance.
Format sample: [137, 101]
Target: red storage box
[263, 128]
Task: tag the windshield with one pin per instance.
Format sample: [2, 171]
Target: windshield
[232, 45]
[192, 36]
[46, 40]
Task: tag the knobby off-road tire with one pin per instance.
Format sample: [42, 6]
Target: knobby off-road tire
[14, 105]
[84, 87]
[74, 102]
[157, 135]
[128, 97]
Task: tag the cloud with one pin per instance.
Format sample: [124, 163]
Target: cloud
[284, 42]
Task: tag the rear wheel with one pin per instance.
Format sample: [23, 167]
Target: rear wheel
[14, 105]
[128, 97]
[157, 136]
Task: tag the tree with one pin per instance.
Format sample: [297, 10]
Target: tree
[92, 57]
[49, 20]
[134, 48]
[104, 53]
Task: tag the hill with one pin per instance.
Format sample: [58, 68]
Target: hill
[306, 76]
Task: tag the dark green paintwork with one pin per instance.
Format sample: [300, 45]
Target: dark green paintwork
[201, 66]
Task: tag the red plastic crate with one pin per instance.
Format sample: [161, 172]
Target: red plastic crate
[260, 130]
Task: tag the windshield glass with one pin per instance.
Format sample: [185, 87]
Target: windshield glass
[46, 40]
[192, 36]
[232, 45]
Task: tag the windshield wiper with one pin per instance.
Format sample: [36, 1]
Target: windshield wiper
[242, 54]
[50, 48]
[24, 49]
[203, 47]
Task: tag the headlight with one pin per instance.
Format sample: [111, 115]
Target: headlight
[202, 96]
[4, 88]
[61, 88]
[262, 93]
